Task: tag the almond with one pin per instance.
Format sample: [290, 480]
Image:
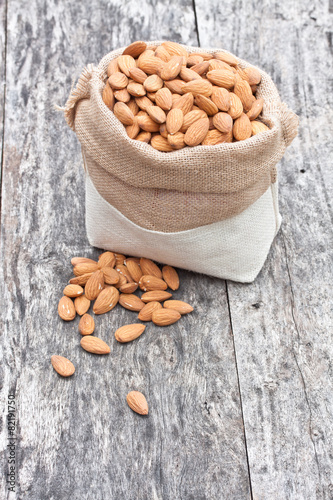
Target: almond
[147, 124]
[106, 300]
[252, 75]
[192, 117]
[118, 81]
[148, 283]
[197, 132]
[175, 49]
[171, 277]
[136, 89]
[222, 78]
[108, 96]
[133, 130]
[201, 68]
[146, 312]
[122, 95]
[127, 333]
[131, 302]
[255, 109]
[223, 122]
[85, 268]
[134, 269]
[120, 259]
[81, 260]
[161, 144]
[86, 325]
[228, 58]
[216, 64]
[185, 103]
[214, 137]
[94, 345]
[122, 269]
[163, 131]
[243, 90]
[62, 365]
[175, 85]
[137, 402]
[128, 288]
[172, 68]
[157, 114]
[188, 75]
[144, 55]
[242, 128]
[138, 75]
[150, 64]
[202, 87]
[162, 53]
[81, 305]
[194, 59]
[73, 290]
[112, 67]
[176, 140]
[206, 105]
[153, 83]
[163, 99]
[221, 98]
[205, 55]
[178, 305]
[174, 120]
[125, 63]
[143, 102]
[143, 137]
[66, 309]
[165, 317]
[94, 286]
[156, 295]
[236, 106]
[149, 267]
[106, 259]
[111, 276]
[258, 127]
[80, 280]
[135, 48]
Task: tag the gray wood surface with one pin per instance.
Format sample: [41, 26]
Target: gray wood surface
[239, 391]
[3, 19]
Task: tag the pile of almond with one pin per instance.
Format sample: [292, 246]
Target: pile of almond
[115, 279]
[171, 99]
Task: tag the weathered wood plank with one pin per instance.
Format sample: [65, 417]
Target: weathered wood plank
[77, 437]
[282, 323]
[3, 26]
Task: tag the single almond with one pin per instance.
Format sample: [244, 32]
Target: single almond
[133, 259]
[162, 53]
[125, 63]
[194, 59]
[136, 89]
[106, 300]
[131, 302]
[81, 305]
[214, 137]
[122, 95]
[122, 269]
[62, 365]
[242, 128]
[171, 277]
[133, 130]
[118, 81]
[111, 276]
[243, 90]
[127, 333]
[146, 312]
[192, 117]
[142, 102]
[175, 48]
[94, 285]
[86, 325]
[123, 113]
[163, 131]
[135, 48]
[143, 137]
[144, 55]
[148, 124]
[108, 96]
[80, 280]
[160, 143]
[150, 64]
[155, 295]
[228, 58]
[153, 83]
[201, 68]
[221, 98]
[138, 75]
[73, 290]
[120, 259]
[94, 345]
[163, 99]
[188, 75]
[223, 122]
[217, 64]
[222, 78]
[255, 109]
[176, 140]
[106, 259]
[128, 288]
[236, 106]
[171, 69]
[112, 67]
[66, 309]
[196, 133]
[122, 281]
[252, 75]
[81, 260]
[175, 86]
[174, 120]
[85, 268]
[148, 283]
[184, 103]
[134, 269]
[157, 114]
[205, 55]
[196, 87]
[206, 105]
[258, 127]
[178, 305]
[165, 317]
[137, 402]
[149, 267]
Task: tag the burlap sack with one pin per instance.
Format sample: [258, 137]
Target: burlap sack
[170, 194]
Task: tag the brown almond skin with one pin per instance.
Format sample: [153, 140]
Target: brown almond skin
[62, 365]
[137, 402]
[128, 288]
[73, 291]
[171, 277]
[197, 132]
[148, 283]
[81, 305]
[131, 302]
[82, 260]
[111, 276]
[127, 333]
[149, 267]
[86, 325]
[94, 285]
[106, 301]
[146, 312]
[165, 317]
[178, 305]
[106, 259]
[94, 345]
[80, 280]
[85, 267]
[155, 295]
[66, 309]
[134, 270]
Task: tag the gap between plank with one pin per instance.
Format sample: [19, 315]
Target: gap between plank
[239, 390]
[196, 22]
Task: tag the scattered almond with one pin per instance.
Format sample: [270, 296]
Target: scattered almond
[94, 345]
[86, 325]
[165, 317]
[131, 302]
[66, 309]
[146, 312]
[127, 333]
[156, 295]
[106, 300]
[94, 285]
[81, 305]
[137, 402]
[178, 305]
[171, 277]
[73, 290]
[149, 267]
[62, 365]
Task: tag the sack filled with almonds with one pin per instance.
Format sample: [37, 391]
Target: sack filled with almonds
[180, 146]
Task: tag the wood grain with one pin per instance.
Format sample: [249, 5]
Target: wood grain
[282, 323]
[3, 22]
[77, 438]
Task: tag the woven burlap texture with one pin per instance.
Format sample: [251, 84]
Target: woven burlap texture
[184, 189]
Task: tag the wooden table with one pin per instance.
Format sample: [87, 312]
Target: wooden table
[240, 392]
